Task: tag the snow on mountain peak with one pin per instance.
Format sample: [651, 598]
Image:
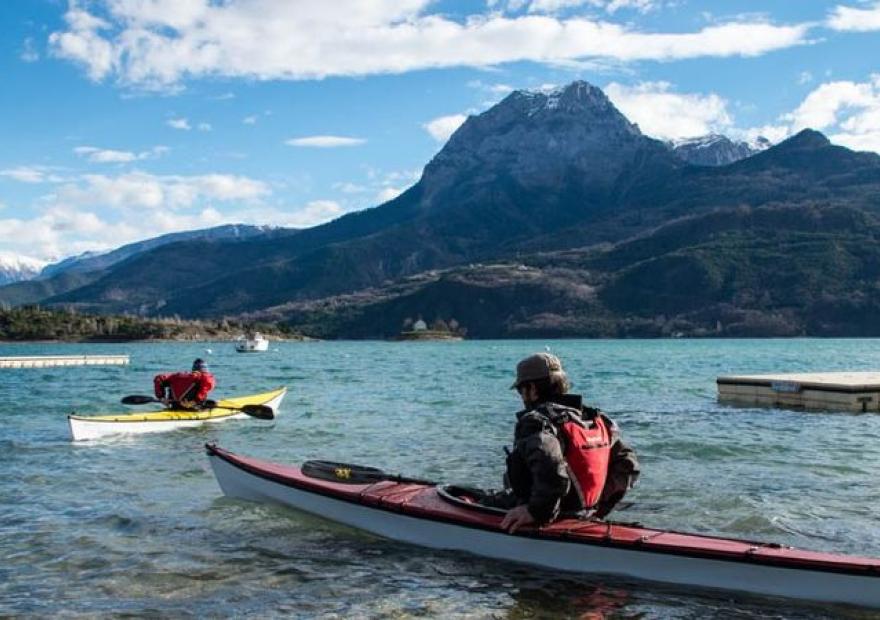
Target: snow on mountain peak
[9, 260]
[15, 267]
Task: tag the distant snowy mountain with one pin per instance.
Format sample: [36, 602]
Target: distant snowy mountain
[15, 268]
[93, 261]
[716, 150]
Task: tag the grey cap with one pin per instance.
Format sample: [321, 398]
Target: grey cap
[537, 366]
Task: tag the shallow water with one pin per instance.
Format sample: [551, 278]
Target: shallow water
[137, 526]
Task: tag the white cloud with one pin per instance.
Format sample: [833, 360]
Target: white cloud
[29, 51]
[169, 221]
[555, 6]
[99, 212]
[443, 127]
[350, 188]
[62, 231]
[104, 155]
[31, 174]
[380, 186]
[774, 133]
[314, 213]
[493, 89]
[805, 77]
[138, 190]
[324, 142]
[22, 260]
[84, 42]
[205, 127]
[855, 19]
[389, 193]
[159, 43]
[822, 107]
[178, 123]
[665, 114]
[111, 156]
[397, 177]
[249, 120]
[858, 141]
[848, 112]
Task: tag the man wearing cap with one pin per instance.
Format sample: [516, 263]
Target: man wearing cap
[185, 390]
[567, 458]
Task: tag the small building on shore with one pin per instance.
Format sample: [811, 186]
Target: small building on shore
[438, 330]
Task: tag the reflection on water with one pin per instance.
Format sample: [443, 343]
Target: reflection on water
[138, 526]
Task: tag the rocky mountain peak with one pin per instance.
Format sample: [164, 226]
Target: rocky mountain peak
[537, 138]
[716, 150]
[808, 139]
[578, 98]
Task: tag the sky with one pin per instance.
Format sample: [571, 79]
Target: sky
[122, 120]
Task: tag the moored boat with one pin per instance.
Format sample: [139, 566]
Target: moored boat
[252, 343]
[95, 427]
[433, 516]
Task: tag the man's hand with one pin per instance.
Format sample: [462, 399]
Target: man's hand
[188, 404]
[517, 517]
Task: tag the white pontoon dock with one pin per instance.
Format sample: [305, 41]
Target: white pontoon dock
[843, 391]
[47, 361]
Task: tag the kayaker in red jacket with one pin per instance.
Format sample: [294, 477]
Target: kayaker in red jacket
[188, 390]
[547, 474]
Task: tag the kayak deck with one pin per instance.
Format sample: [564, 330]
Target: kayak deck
[418, 513]
[220, 411]
[93, 427]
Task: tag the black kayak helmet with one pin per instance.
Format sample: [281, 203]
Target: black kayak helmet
[200, 365]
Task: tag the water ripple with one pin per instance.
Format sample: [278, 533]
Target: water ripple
[137, 526]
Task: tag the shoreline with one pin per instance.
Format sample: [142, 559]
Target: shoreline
[149, 340]
[396, 340]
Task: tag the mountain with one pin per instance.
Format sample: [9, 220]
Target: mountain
[77, 271]
[742, 271]
[716, 150]
[15, 268]
[95, 261]
[615, 234]
[524, 169]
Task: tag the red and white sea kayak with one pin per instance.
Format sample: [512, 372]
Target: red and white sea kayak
[426, 515]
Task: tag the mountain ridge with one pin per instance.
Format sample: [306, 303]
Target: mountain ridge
[536, 175]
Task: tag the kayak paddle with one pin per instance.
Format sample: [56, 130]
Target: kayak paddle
[346, 473]
[261, 412]
[354, 474]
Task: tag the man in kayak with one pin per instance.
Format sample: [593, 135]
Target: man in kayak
[567, 458]
[185, 390]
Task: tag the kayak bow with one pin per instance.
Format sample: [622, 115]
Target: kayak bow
[95, 427]
[424, 514]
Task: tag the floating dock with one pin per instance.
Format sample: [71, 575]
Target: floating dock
[48, 361]
[842, 391]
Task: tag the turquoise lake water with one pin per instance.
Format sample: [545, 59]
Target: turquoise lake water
[138, 526]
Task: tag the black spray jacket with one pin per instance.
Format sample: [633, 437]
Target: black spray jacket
[537, 474]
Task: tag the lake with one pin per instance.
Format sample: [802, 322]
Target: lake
[138, 526]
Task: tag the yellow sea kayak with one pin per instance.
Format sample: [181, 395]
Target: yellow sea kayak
[95, 427]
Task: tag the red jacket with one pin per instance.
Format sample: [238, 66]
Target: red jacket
[180, 386]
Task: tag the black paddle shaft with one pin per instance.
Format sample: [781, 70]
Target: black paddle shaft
[348, 473]
[261, 412]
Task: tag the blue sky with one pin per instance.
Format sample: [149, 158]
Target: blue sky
[126, 119]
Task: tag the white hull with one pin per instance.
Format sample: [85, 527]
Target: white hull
[84, 429]
[252, 346]
[565, 556]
